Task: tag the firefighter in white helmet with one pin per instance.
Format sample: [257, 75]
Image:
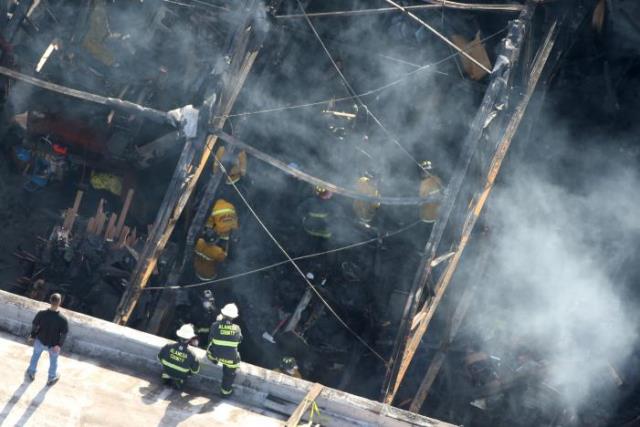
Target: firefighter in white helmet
[177, 360]
[224, 339]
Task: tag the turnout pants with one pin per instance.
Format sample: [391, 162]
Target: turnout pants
[228, 374]
[228, 377]
[172, 381]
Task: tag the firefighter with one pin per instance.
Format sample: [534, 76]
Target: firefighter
[316, 214]
[289, 366]
[224, 338]
[430, 183]
[236, 166]
[178, 361]
[210, 250]
[223, 219]
[366, 211]
[204, 317]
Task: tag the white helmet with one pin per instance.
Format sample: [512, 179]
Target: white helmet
[230, 310]
[186, 332]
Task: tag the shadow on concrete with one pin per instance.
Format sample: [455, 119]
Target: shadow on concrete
[180, 407]
[33, 406]
[154, 392]
[17, 394]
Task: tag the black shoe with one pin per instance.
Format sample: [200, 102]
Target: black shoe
[226, 395]
[53, 380]
[29, 376]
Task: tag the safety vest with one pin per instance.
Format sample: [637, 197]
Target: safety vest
[366, 211]
[238, 169]
[223, 218]
[224, 339]
[429, 211]
[206, 257]
[178, 361]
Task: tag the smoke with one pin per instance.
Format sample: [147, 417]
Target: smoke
[564, 234]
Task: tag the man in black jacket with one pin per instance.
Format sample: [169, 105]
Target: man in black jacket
[48, 332]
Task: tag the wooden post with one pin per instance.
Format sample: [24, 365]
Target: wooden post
[304, 406]
[463, 304]
[72, 214]
[193, 159]
[124, 212]
[475, 208]
[167, 298]
[497, 93]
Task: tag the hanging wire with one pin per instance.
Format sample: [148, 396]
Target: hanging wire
[369, 92]
[277, 264]
[352, 91]
[300, 272]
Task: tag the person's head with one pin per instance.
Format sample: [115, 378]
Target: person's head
[426, 168]
[230, 311]
[186, 333]
[55, 300]
[323, 193]
[288, 364]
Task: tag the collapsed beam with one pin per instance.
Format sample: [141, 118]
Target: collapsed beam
[195, 154]
[334, 188]
[126, 106]
[439, 35]
[435, 5]
[495, 98]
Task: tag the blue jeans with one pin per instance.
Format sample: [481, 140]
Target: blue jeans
[38, 348]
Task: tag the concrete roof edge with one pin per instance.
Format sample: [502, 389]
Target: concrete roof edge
[130, 348]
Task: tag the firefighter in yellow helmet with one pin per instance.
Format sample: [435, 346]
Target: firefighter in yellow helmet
[236, 166]
[366, 211]
[430, 183]
[210, 251]
[223, 219]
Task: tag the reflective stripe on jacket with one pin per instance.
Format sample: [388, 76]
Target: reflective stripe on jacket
[224, 339]
[223, 218]
[178, 361]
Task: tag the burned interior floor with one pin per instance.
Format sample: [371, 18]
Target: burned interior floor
[100, 199]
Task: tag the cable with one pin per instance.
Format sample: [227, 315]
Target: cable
[277, 264]
[304, 277]
[367, 93]
[352, 91]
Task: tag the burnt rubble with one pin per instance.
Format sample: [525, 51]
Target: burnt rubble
[512, 306]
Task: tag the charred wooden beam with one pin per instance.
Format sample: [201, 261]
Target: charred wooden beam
[462, 306]
[435, 5]
[195, 154]
[334, 188]
[439, 35]
[18, 16]
[496, 97]
[120, 104]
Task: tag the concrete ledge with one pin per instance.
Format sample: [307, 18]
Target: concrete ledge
[258, 387]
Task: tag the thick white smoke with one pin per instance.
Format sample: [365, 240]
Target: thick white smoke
[556, 282]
